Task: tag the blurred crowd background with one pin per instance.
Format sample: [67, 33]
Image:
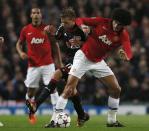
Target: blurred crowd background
[133, 76]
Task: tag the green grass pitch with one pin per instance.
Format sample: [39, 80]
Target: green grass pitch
[96, 123]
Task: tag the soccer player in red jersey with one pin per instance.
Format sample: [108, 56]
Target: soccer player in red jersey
[73, 33]
[39, 55]
[107, 35]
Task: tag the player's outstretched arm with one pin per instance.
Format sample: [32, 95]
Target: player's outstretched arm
[90, 21]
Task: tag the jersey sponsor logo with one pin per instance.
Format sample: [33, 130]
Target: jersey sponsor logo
[37, 40]
[105, 40]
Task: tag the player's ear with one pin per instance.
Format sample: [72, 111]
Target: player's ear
[31, 13]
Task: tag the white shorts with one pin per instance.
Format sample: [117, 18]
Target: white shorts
[35, 74]
[81, 65]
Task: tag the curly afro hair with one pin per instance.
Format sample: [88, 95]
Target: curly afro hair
[122, 16]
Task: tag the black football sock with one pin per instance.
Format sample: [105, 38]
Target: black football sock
[77, 105]
[46, 92]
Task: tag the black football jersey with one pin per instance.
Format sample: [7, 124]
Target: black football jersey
[65, 35]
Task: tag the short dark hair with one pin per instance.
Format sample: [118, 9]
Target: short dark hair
[122, 16]
[35, 8]
[68, 13]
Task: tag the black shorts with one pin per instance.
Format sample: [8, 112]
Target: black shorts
[65, 70]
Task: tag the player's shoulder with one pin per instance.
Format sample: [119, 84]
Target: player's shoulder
[102, 19]
[26, 27]
[105, 20]
[43, 25]
[125, 32]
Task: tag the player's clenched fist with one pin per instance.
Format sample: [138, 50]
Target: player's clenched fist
[23, 55]
[123, 55]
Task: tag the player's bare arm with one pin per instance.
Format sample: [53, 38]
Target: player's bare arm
[50, 30]
[56, 52]
[22, 54]
[58, 58]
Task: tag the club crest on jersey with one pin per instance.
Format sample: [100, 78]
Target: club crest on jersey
[105, 40]
[37, 40]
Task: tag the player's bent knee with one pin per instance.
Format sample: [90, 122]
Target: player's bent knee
[71, 83]
[31, 92]
[115, 91]
[58, 72]
[68, 92]
[119, 89]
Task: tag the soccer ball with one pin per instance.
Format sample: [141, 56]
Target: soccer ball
[63, 120]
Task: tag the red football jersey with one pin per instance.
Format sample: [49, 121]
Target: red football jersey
[38, 44]
[103, 39]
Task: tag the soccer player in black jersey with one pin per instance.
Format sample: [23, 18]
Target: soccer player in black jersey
[71, 32]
